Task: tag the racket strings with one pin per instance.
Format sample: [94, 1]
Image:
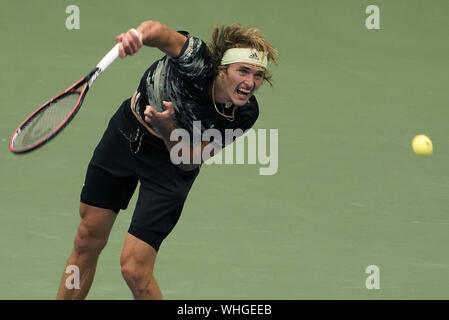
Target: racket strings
[43, 124]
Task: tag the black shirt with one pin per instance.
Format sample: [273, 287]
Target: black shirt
[185, 81]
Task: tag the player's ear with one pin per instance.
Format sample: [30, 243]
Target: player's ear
[222, 72]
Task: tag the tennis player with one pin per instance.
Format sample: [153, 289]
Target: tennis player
[213, 83]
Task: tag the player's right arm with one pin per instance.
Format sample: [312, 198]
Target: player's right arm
[152, 34]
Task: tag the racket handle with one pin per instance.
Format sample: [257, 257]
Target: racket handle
[109, 58]
[113, 54]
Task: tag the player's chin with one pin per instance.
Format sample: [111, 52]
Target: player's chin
[240, 99]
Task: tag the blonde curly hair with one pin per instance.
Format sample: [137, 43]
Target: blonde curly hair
[238, 36]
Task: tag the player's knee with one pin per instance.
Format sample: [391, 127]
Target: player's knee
[129, 273]
[88, 239]
[86, 242]
[136, 274]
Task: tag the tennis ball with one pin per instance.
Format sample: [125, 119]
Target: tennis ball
[422, 145]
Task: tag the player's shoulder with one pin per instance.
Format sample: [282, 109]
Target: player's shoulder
[193, 63]
[192, 47]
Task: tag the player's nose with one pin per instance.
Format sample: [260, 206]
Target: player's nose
[249, 82]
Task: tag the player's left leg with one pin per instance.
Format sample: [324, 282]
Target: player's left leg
[137, 262]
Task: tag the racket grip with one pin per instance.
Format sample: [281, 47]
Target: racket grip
[109, 58]
[113, 54]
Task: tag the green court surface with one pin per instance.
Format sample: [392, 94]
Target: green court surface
[348, 193]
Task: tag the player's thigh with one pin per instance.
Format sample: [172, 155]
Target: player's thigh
[95, 226]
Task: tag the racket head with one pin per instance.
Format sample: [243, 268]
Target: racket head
[49, 119]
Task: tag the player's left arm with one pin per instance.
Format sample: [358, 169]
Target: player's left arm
[163, 121]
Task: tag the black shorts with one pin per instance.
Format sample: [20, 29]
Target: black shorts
[128, 154]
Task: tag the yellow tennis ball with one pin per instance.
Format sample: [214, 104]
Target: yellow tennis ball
[422, 145]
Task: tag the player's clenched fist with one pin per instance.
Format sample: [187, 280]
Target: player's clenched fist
[161, 120]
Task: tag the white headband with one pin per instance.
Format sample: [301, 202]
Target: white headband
[248, 55]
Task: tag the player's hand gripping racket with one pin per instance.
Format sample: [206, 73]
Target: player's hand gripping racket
[50, 118]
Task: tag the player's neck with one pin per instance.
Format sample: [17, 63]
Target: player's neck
[218, 92]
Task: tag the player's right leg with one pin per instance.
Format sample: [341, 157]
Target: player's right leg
[108, 187]
[91, 237]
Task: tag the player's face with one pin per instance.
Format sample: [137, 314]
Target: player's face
[239, 82]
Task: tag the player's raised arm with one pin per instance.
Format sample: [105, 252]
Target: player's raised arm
[153, 34]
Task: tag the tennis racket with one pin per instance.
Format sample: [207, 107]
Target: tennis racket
[50, 118]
